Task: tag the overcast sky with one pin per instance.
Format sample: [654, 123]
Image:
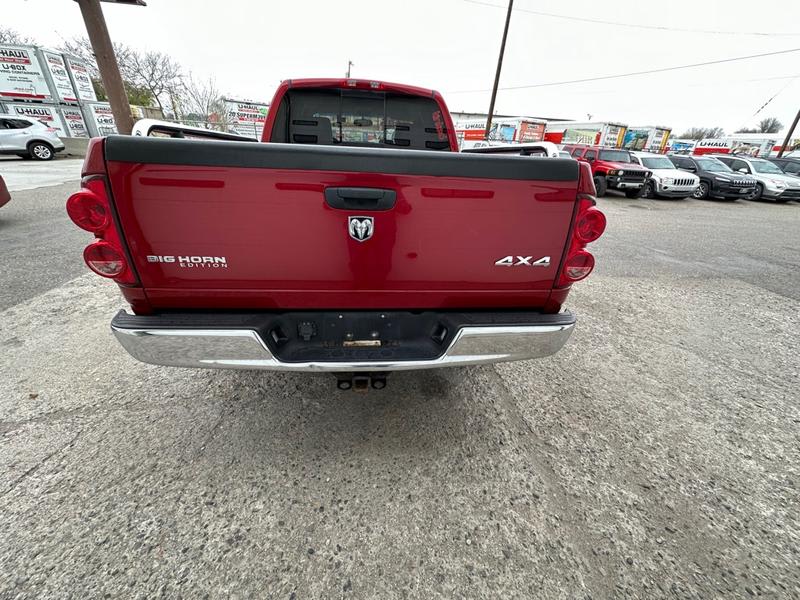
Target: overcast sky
[451, 45]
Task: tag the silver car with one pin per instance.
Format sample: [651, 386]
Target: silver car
[28, 138]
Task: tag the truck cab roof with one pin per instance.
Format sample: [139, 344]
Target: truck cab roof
[356, 84]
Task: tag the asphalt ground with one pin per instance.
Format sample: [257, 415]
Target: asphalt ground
[656, 456]
[40, 248]
[30, 174]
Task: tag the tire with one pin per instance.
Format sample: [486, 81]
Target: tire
[600, 186]
[41, 151]
[758, 193]
[634, 193]
[701, 193]
[649, 190]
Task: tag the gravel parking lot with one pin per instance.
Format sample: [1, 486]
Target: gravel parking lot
[656, 456]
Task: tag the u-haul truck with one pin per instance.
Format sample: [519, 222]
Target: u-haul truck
[505, 130]
[647, 138]
[751, 144]
[593, 133]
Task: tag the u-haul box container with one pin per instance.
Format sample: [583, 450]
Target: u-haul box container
[21, 75]
[74, 122]
[99, 119]
[79, 73]
[46, 113]
[55, 69]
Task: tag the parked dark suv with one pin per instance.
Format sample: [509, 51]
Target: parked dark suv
[717, 180]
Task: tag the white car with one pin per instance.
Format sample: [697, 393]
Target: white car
[666, 181]
[156, 128]
[773, 184]
[548, 149]
[28, 138]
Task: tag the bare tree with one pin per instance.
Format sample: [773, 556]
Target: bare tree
[202, 101]
[769, 125]
[81, 48]
[699, 133]
[12, 36]
[156, 72]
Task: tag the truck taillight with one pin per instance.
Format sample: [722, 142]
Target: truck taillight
[588, 226]
[90, 209]
[578, 266]
[104, 259]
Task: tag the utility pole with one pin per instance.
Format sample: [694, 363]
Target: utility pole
[789, 134]
[497, 73]
[349, 64]
[107, 62]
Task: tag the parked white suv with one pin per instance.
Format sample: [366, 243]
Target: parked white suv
[666, 181]
[773, 183]
[28, 138]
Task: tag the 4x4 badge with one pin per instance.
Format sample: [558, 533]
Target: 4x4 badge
[522, 261]
[360, 228]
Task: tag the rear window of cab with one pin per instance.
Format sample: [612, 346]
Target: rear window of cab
[360, 118]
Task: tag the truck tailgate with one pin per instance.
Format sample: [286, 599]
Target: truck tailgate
[235, 225]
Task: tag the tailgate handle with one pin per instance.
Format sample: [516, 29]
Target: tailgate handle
[360, 198]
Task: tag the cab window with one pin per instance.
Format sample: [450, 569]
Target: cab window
[738, 164]
[360, 118]
[14, 124]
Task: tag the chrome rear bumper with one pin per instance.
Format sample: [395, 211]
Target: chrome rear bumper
[245, 348]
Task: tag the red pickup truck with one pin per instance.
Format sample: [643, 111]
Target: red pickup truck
[612, 168]
[354, 239]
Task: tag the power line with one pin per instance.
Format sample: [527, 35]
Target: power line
[775, 95]
[635, 25]
[707, 83]
[634, 73]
